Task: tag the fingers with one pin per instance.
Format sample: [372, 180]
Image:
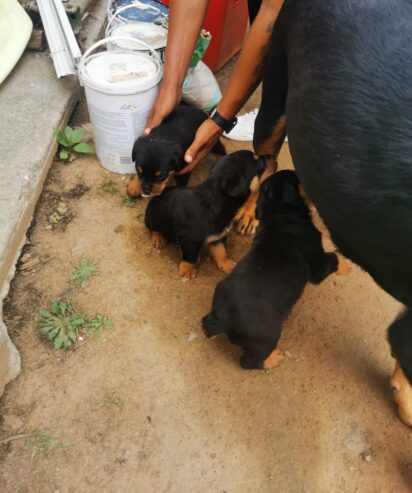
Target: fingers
[168, 98]
[206, 137]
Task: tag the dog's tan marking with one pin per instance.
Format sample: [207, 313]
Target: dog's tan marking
[187, 270]
[344, 267]
[274, 359]
[158, 240]
[402, 394]
[134, 188]
[273, 144]
[254, 184]
[219, 254]
[219, 236]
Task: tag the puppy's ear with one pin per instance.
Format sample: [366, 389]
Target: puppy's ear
[290, 195]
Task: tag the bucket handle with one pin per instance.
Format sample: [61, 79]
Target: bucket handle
[120, 10]
[111, 16]
[104, 41]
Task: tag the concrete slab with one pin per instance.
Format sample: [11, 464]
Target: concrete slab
[33, 103]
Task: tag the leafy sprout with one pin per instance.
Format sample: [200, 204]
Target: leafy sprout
[83, 272]
[71, 142]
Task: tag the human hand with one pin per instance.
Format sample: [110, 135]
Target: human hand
[206, 137]
[168, 98]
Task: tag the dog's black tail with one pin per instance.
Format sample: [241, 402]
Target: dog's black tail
[219, 149]
[212, 326]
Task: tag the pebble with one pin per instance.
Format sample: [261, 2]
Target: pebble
[30, 264]
[24, 258]
[192, 336]
[366, 456]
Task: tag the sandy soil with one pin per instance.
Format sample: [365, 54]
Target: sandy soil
[154, 406]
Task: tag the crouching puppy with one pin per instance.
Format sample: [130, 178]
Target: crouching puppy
[160, 155]
[252, 302]
[201, 215]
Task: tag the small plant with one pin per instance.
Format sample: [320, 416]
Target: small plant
[109, 186]
[59, 213]
[129, 201]
[113, 400]
[83, 272]
[71, 142]
[63, 323]
[98, 324]
[44, 443]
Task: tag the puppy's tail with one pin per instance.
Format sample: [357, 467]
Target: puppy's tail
[219, 149]
[212, 326]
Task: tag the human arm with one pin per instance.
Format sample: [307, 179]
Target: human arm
[246, 76]
[185, 22]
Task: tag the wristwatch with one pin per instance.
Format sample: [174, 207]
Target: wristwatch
[225, 125]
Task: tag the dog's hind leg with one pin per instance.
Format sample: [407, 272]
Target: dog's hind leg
[400, 339]
[270, 128]
[217, 250]
[212, 326]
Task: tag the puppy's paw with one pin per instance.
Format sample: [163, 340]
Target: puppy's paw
[402, 394]
[274, 359]
[344, 267]
[186, 270]
[158, 241]
[247, 224]
[134, 188]
[227, 265]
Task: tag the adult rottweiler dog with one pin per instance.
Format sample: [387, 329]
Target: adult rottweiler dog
[251, 304]
[201, 215]
[160, 155]
[338, 74]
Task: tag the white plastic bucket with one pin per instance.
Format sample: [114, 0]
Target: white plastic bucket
[152, 34]
[121, 88]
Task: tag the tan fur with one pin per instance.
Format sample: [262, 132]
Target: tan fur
[344, 267]
[245, 217]
[134, 188]
[402, 394]
[186, 270]
[219, 254]
[274, 359]
[158, 241]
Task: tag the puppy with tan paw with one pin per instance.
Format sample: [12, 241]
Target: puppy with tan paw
[196, 216]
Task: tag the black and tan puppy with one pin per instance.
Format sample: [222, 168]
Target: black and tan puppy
[160, 155]
[253, 301]
[196, 216]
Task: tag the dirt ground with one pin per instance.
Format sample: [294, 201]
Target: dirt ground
[153, 406]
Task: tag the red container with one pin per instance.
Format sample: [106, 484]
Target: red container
[227, 21]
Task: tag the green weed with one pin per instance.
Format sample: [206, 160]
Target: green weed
[109, 186]
[129, 201]
[63, 322]
[113, 400]
[44, 443]
[71, 142]
[83, 272]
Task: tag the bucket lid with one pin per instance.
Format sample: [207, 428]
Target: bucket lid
[152, 34]
[121, 73]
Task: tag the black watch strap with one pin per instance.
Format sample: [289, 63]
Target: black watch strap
[225, 125]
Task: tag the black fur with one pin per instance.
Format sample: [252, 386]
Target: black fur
[189, 216]
[252, 302]
[161, 153]
[341, 71]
